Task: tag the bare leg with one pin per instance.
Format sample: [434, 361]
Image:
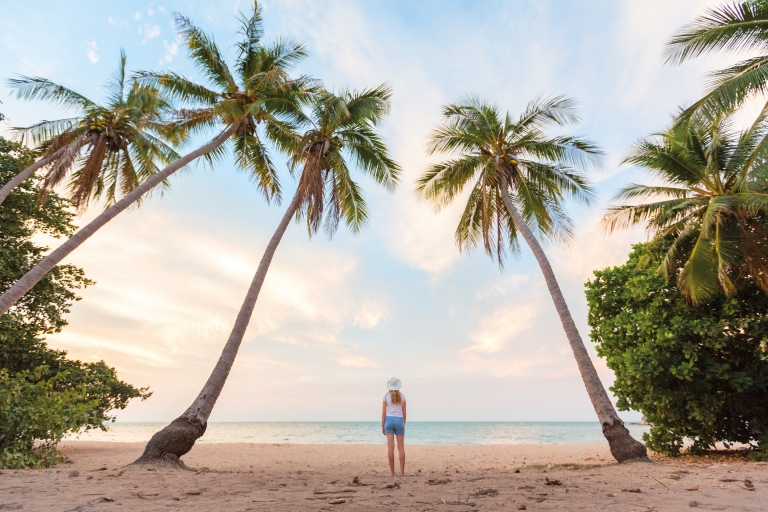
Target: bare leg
[401, 453]
[391, 452]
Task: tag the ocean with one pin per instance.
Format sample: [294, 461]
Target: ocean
[369, 432]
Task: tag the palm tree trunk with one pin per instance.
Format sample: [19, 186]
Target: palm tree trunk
[623, 446]
[175, 440]
[31, 278]
[23, 175]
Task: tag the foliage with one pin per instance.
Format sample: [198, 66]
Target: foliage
[254, 98]
[712, 203]
[33, 374]
[696, 372]
[36, 413]
[339, 127]
[542, 171]
[112, 148]
[733, 27]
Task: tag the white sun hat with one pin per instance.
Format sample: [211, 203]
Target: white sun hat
[394, 384]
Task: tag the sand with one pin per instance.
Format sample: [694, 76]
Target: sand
[239, 477]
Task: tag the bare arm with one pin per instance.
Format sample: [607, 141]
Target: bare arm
[383, 415]
[404, 413]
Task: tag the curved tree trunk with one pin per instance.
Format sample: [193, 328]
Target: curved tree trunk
[623, 446]
[31, 278]
[175, 440]
[23, 175]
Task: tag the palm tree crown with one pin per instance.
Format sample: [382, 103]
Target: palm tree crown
[255, 94]
[711, 206]
[542, 171]
[339, 124]
[739, 27]
[111, 147]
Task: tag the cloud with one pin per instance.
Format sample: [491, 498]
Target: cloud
[171, 49]
[92, 52]
[137, 16]
[162, 9]
[502, 326]
[150, 11]
[149, 32]
[370, 314]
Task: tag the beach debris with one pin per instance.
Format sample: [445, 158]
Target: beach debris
[694, 488]
[539, 499]
[11, 506]
[390, 503]
[523, 487]
[74, 473]
[332, 482]
[148, 495]
[103, 499]
[337, 501]
[395, 485]
[84, 508]
[657, 480]
[104, 468]
[726, 479]
[89, 477]
[612, 495]
[693, 504]
[521, 507]
[117, 475]
[438, 482]
[486, 492]
[673, 476]
[195, 492]
[549, 466]
[475, 479]
[465, 503]
[552, 482]
[317, 491]
[517, 471]
[631, 490]
[749, 485]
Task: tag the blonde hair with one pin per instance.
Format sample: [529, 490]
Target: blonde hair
[395, 396]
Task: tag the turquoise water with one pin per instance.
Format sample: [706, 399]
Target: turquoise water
[365, 432]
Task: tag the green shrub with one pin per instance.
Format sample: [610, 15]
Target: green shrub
[35, 414]
[43, 394]
[697, 373]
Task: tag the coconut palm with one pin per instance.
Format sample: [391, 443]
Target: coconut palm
[339, 127]
[107, 151]
[520, 178]
[243, 105]
[711, 205]
[738, 26]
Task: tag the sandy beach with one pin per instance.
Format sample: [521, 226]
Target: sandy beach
[259, 477]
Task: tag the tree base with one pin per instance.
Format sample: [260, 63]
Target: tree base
[623, 446]
[171, 443]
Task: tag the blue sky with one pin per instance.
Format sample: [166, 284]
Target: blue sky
[337, 318]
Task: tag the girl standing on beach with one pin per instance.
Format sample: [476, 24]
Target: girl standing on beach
[393, 423]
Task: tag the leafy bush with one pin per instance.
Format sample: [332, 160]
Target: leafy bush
[35, 414]
[699, 373]
[43, 395]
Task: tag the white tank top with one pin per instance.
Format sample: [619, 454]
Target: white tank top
[394, 409]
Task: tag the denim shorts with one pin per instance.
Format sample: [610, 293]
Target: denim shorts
[394, 425]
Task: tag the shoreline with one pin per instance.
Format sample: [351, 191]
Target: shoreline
[277, 477]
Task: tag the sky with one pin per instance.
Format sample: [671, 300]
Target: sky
[337, 318]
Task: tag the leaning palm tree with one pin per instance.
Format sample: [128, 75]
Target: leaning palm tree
[339, 127]
[520, 178]
[711, 206]
[239, 104]
[738, 26]
[106, 151]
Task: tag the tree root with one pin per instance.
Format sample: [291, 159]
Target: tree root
[167, 446]
[623, 446]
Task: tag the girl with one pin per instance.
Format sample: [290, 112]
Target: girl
[393, 423]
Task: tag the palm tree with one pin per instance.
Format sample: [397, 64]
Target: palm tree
[339, 127]
[242, 102]
[738, 26]
[711, 206]
[520, 178]
[119, 139]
